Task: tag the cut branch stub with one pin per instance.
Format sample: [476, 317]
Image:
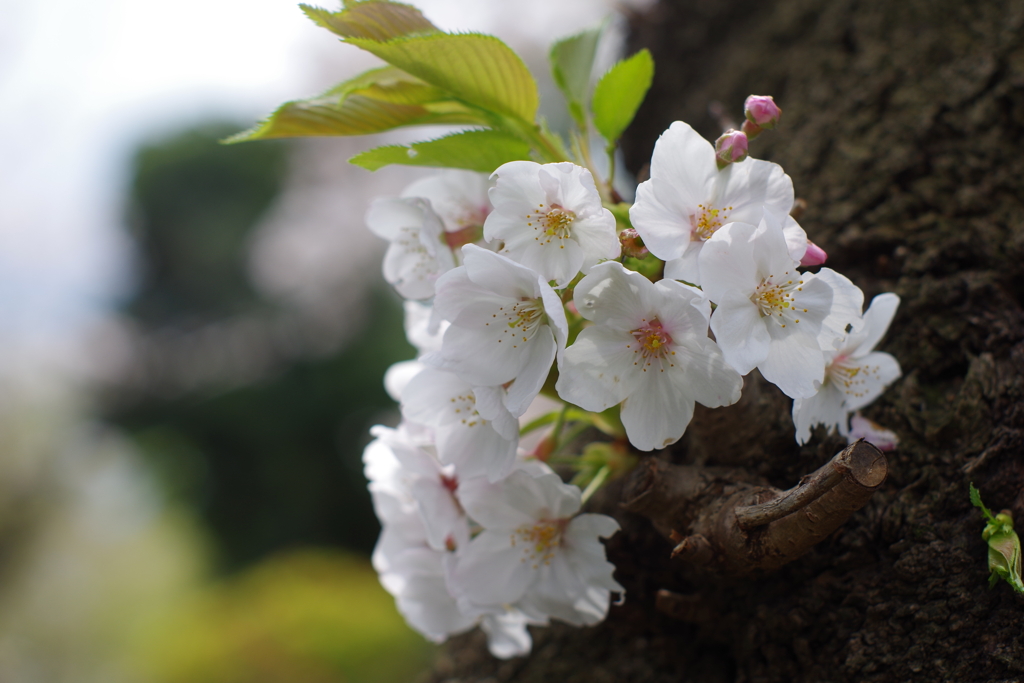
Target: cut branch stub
[727, 526]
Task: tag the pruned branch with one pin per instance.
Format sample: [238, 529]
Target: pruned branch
[725, 525]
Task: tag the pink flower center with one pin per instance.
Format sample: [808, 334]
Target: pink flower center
[519, 321]
[776, 298]
[707, 220]
[539, 540]
[850, 376]
[464, 408]
[551, 222]
[463, 236]
[471, 227]
[653, 343]
[449, 483]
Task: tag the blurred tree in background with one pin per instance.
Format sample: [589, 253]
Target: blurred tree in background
[271, 461]
[194, 206]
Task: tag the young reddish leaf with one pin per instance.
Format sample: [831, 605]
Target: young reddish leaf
[375, 20]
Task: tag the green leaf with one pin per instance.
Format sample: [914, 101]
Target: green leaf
[475, 150]
[373, 19]
[976, 502]
[572, 60]
[478, 69]
[374, 101]
[619, 93]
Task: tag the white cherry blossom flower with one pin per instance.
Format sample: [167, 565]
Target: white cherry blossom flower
[398, 375]
[409, 566]
[423, 526]
[459, 198]
[535, 552]
[424, 330]
[649, 350]
[415, 574]
[769, 315]
[688, 198]
[426, 226]
[550, 219]
[474, 430]
[404, 467]
[417, 253]
[418, 578]
[855, 374]
[507, 325]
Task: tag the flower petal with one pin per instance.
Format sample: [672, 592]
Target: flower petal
[727, 262]
[499, 274]
[615, 297]
[794, 364]
[535, 365]
[796, 238]
[824, 408]
[507, 636]
[706, 377]
[686, 162]
[876, 322]
[749, 188]
[687, 266]
[488, 570]
[740, 332]
[876, 371]
[599, 370]
[657, 414]
[847, 303]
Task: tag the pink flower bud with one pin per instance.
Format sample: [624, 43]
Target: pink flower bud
[814, 256]
[731, 147]
[632, 244]
[762, 111]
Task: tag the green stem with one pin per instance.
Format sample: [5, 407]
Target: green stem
[604, 187]
[573, 432]
[547, 149]
[559, 424]
[610, 149]
[537, 423]
[595, 483]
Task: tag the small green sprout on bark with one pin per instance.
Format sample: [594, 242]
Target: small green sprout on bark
[1004, 555]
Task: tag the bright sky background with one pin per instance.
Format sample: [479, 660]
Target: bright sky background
[82, 83]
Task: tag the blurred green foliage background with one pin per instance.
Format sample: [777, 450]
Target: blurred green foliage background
[275, 463]
[212, 531]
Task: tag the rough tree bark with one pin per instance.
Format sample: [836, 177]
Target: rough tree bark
[902, 128]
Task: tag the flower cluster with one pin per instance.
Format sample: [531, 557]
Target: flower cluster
[460, 551]
[555, 324]
[527, 284]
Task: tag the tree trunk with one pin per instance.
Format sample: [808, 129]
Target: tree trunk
[902, 129]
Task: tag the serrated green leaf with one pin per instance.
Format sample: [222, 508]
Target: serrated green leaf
[478, 69]
[474, 150]
[373, 19]
[377, 100]
[619, 94]
[572, 60]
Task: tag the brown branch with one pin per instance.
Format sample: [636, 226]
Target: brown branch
[725, 525]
